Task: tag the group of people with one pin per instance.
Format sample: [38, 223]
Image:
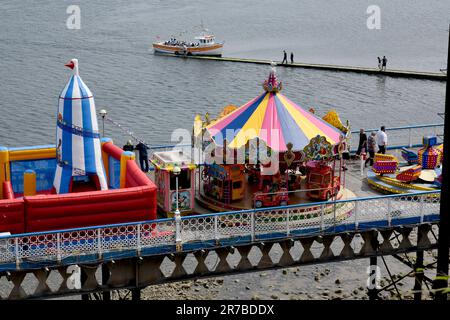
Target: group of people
[175, 42]
[285, 61]
[376, 142]
[382, 63]
[143, 154]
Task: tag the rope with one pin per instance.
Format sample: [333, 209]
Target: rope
[125, 130]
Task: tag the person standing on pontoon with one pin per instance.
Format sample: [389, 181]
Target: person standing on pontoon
[284, 57]
[384, 63]
[379, 63]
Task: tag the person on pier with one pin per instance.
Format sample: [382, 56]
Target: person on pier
[371, 145]
[128, 147]
[292, 57]
[362, 142]
[382, 140]
[143, 155]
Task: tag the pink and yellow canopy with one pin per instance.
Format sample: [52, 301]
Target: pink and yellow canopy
[274, 119]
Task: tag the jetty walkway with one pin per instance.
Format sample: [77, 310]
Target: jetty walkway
[436, 76]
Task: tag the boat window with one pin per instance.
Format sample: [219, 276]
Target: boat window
[184, 180]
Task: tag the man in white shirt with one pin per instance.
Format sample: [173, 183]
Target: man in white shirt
[382, 140]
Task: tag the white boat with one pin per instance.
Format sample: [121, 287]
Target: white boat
[204, 45]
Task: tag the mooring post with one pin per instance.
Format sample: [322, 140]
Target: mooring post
[419, 274]
[373, 279]
[441, 280]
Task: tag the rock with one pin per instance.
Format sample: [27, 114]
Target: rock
[219, 281]
[355, 292]
[186, 286]
[338, 291]
[316, 277]
[256, 297]
[284, 271]
[322, 274]
[361, 288]
[263, 274]
[337, 281]
[274, 297]
[325, 294]
[236, 280]
[196, 289]
[286, 293]
[247, 288]
[206, 286]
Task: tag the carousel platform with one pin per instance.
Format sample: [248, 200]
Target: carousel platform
[389, 184]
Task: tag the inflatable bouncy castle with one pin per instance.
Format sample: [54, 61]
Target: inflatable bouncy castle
[82, 181]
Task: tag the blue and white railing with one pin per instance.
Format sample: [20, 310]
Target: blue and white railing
[398, 137]
[93, 244]
[403, 137]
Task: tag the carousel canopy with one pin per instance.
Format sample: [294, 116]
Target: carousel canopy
[273, 118]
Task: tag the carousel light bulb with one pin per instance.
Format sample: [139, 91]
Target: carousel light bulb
[176, 169]
[103, 113]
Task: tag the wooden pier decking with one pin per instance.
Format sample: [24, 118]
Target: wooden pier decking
[436, 76]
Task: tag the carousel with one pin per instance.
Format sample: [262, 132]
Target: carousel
[269, 152]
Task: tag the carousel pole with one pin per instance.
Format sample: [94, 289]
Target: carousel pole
[441, 280]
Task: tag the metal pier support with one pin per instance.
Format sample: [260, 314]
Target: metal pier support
[136, 294]
[419, 273]
[105, 277]
[372, 289]
[441, 280]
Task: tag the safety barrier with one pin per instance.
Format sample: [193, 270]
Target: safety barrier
[211, 230]
[403, 137]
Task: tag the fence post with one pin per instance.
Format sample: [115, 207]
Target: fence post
[252, 225]
[99, 243]
[410, 137]
[355, 212]
[288, 230]
[421, 209]
[389, 211]
[216, 225]
[322, 209]
[16, 245]
[138, 230]
[178, 240]
[58, 247]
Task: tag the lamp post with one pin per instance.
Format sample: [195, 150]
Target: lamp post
[176, 173]
[103, 113]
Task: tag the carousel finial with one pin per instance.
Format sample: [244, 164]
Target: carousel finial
[272, 84]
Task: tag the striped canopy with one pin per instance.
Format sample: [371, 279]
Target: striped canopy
[78, 146]
[274, 119]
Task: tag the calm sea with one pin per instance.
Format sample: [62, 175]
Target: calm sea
[152, 95]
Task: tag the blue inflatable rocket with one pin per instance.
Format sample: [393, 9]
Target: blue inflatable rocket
[78, 147]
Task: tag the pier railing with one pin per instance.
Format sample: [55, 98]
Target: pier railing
[92, 244]
[398, 137]
[403, 137]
